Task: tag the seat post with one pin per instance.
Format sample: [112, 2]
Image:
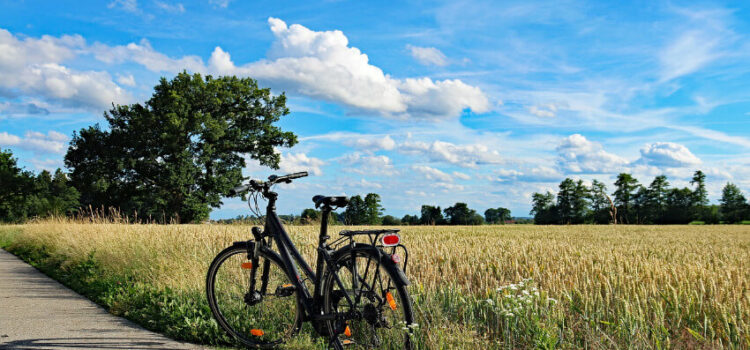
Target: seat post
[326, 212]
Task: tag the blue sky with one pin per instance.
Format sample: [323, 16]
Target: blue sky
[421, 102]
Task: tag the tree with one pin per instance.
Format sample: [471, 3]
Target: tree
[54, 195]
[309, 215]
[656, 200]
[460, 214]
[410, 220]
[373, 209]
[600, 206]
[699, 198]
[571, 201]
[177, 154]
[497, 215]
[355, 212]
[544, 209]
[626, 187]
[390, 220]
[678, 204]
[734, 206]
[431, 215]
[14, 186]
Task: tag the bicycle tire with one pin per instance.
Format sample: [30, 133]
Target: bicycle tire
[240, 335]
[403, 298]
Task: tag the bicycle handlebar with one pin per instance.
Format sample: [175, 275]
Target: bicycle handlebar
[258, 185]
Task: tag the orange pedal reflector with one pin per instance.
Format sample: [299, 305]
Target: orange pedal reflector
[347, 342]
[247, 265]
[391, 301]
[347, 331]
[257, 332]
[286, 285]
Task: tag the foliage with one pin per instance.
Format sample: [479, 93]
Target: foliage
[365, 211]
[497, 215]
[410, 220]
[24, 195]
[543, 208]
[431, 215]
[177, 154]
[460, 214]
[626, 188]
[734, 207]
[390, 220]
[658, 203]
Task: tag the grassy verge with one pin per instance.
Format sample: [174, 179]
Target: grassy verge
[590, 289]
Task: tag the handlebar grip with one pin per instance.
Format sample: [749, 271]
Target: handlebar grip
[239, 189]
[296, 175]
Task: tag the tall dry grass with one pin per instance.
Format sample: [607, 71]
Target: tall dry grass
[596, 286]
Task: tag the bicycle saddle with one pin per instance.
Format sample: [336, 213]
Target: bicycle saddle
[332, 201]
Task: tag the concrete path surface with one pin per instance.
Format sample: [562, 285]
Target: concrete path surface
[37, 312]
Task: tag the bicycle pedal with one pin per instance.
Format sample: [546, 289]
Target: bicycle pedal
[285, 290]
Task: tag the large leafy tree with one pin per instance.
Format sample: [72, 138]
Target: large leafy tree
[178, 153]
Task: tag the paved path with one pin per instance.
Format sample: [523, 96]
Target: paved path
[37, 312]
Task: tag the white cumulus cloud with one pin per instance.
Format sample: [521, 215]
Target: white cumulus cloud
[322, 65]
[295, 162]
[52, 142]
[468, 156]
[668, 154]
[432, 173]
[31, 66]
[579, 155]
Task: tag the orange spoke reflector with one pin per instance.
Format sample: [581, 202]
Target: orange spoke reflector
[247, 265]
[257, 332]
[391, 301]
[347, 331]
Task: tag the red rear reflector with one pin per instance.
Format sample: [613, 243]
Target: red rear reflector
[247, 265]
[391, 240]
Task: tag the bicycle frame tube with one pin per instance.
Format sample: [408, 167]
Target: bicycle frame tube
[289, 254]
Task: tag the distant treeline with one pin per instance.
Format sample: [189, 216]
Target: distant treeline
[633, 203]
[25, 195]
[369, 211]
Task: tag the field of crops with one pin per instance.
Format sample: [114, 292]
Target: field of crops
[483, 286]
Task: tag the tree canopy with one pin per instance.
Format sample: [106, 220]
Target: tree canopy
[178, 153]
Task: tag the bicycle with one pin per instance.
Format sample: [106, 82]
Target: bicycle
[359, 294]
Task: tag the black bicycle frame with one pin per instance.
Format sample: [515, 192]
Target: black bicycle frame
[289, 254]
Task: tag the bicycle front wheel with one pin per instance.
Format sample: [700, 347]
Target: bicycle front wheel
[262, 317]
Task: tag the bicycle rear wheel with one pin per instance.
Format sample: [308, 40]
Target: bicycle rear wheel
[259, 318]
[380, 298]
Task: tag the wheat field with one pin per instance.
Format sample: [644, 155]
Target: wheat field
[514, 286]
